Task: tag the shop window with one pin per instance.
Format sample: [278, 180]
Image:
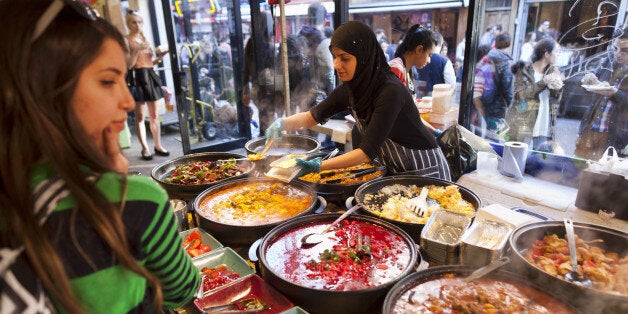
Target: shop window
[493, 4]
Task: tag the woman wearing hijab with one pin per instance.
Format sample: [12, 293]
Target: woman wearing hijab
[385, 113]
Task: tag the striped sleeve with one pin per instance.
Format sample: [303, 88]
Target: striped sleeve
[478, 85]
[164, 255]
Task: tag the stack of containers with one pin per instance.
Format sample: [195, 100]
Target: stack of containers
[443, 114]
[441, 236]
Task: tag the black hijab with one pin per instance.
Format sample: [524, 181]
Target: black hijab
[358, 39]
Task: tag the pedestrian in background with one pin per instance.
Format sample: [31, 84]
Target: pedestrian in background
[438, 71]
[528, 47]
[493, 87]
[605, 123]
[258, 77]
[145, 84]
[487, 37]
[414, 52]
[78, 234]
[538, 87]
[543, 31]
[323, 63]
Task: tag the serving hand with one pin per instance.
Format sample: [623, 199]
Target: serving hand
[119, 163]
[309, 166]
[274, 130]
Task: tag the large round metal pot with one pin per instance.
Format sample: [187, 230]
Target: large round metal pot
[288, 144]
[188, 192]
[338, 193]
[587, 300]
[314, 300]
[400, 292]
[244, 235]
[413, 229]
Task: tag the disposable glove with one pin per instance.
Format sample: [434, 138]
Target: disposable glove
[309, 166]
[523, 105]
[274, 130]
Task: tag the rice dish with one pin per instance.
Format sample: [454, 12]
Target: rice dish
[391, 202]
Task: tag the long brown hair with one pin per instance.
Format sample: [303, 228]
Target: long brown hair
[38, 125]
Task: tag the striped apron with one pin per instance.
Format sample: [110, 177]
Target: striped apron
[399, 159]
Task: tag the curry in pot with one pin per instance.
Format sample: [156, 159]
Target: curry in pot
[254, 204]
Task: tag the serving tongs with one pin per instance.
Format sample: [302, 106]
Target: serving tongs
[248, 305]
[251, 157]
[359, 173]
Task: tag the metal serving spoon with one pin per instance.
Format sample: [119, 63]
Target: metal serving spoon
[484, 270]
[311, 239]
[574, 276]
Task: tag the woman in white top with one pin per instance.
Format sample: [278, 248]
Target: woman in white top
[528, 47]
[144, 83]
[538, 87]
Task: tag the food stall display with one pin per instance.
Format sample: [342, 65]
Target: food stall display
[368, 263]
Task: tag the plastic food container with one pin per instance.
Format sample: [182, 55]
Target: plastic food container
[250, 287]
[228, 257]
[441, 98]
[285, 168]
[206, 239]
[451, 116]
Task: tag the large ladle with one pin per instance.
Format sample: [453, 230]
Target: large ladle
[484, 270]
[311, 239]
[574, 276]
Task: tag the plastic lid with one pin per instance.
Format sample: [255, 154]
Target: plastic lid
[442, 87]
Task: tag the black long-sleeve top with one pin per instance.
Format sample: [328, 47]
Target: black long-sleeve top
[392, 114]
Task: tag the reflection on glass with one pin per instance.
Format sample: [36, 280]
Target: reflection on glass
[309, 62]
[203, 39]
[561, 104]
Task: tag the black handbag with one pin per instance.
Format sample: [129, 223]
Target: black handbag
[460, 155]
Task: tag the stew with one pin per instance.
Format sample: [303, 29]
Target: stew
[357, 255]
[449, 294]
[607, 270]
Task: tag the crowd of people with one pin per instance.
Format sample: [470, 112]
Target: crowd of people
[519, 100]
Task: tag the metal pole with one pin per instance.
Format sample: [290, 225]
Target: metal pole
[284, 58]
